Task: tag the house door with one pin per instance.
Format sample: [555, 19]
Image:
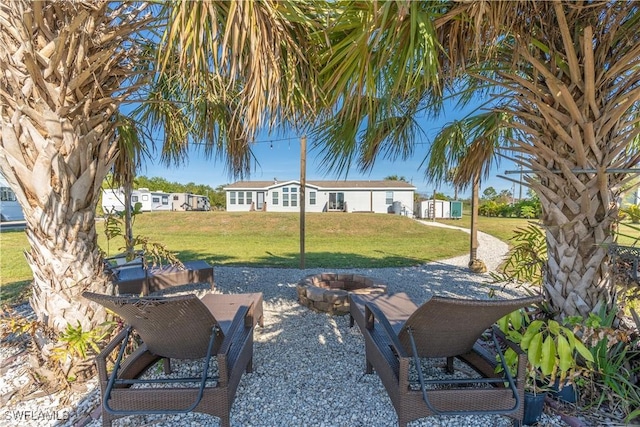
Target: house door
[259, 200]
[336, 201]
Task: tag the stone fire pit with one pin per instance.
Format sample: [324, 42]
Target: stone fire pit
[329, 292]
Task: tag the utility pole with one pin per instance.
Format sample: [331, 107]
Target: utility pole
[303, 198]
[520, 196]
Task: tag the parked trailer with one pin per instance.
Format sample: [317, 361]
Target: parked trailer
[160, 201]
[142, 196]
[112, 200]
[154, 201]
[190, 202]
[10, 209]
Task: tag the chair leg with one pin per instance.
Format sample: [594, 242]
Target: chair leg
[249, 366]
[368, 368]
[166, 364]
[106, 418]
[351, 321]
[225, 421]
[449, 367]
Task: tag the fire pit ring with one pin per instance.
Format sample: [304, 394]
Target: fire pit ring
[329, 292]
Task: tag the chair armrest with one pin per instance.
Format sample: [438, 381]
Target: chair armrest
[372, 312]
[239, 320]
[101, 358]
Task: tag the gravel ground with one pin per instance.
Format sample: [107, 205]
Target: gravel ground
[308, 367]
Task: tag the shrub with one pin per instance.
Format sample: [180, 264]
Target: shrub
[633, 212]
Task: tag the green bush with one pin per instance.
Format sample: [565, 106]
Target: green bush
[612, 379]
[553, 350]
[633, 212]
[527, 208]
[527, 258]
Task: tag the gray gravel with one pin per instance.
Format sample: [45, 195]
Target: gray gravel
[308, 367]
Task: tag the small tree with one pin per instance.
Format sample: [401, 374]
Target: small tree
[489, 193]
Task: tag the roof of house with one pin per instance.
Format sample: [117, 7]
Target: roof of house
[322, 184]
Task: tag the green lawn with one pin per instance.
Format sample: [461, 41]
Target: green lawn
[333, 240]
[503, 228]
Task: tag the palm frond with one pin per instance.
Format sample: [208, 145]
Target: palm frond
[133, 148]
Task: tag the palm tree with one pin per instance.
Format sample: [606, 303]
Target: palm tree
[463, 153]
[565, 72]
[230, 68]
[133, 148]
[64, 68]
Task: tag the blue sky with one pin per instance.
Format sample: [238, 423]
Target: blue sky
[278, 156]
[281, 159]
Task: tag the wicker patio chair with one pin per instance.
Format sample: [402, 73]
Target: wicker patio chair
[398, 332]
[216, 328]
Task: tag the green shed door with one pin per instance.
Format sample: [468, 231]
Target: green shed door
[456, 209]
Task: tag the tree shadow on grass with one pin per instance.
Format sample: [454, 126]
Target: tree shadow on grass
[312, 260]
[15, 292]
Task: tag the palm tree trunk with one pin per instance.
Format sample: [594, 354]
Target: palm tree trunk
[63, 64]
[65, 261]
[473, 253]
[128, 220]
[577, 277]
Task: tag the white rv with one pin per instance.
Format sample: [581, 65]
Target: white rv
[10, 209]
[142, 196]
[189, 202]
[153, 201]
[112, 200]
[160, 201]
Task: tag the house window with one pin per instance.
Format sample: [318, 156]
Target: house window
[241, 197]
[285, 197]
[232, 197]
[274, 197]
[294, 196]
[312, 197]
[145, 197]
[176, 197]
[134, 199]
[249, 197]
[389, 198]
[165, 200]
[155, 199]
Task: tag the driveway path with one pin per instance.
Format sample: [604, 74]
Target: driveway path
[491, 250]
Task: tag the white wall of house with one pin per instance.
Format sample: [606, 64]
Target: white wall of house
[285, 197]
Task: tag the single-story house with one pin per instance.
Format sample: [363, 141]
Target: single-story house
[321, 196]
